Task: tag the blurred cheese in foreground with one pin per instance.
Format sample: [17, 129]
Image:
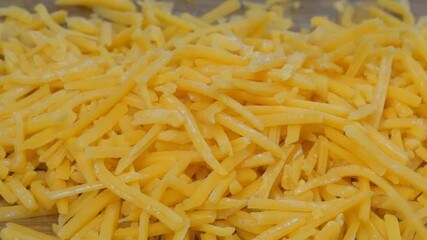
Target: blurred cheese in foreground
[135, 123]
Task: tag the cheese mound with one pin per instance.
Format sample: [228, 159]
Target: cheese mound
[135, 123]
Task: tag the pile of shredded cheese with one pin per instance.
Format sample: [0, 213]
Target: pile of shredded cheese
[134, 123]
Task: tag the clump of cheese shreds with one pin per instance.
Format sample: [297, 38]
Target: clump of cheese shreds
[135, 123]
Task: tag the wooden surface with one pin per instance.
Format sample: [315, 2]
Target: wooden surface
[301, 18]
[42, 224]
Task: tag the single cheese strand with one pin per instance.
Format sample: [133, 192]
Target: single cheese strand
[404, 96]
[106, 152]
[246, 222]
[144, 175]
[352, 229]
[195, 135]
[322, 161]
[154, 229]
[359, 58]
[381, 89]
[216, 230]
[41, 138]
[162, 60]
[288, 205]
[392, 226]
[293, 134]
[365, 208]
[224, 99]
[19, 147]
[291, 118]
[276, 217]
[221, 187]
[109, 223]
[281, 230]
[105, 39]
[318, 21]
[4, 171]
[317, 106]
[155, 208]
[82, 25]
[181, 234]
[202, 193]
[200, 217]
[217, 55]
[395, 123]
[23, 194]
[244, 130]
[259, 88]
[300, 114]
[82, 161]
[7, 194]
[102, 126]
[257, 160]
[159, 116]
[144, 222]
[123, 5]
[231, 162]
[207, 236]
[139, 148]
[272, 172]
[422, 153]
[222, 140]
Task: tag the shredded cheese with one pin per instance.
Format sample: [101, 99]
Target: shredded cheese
[136, 123]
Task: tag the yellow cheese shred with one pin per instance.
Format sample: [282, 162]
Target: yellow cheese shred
[135, 122]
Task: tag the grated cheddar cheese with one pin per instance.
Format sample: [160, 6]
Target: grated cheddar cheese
[136, 123]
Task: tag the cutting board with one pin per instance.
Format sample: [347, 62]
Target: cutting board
[42, 224]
